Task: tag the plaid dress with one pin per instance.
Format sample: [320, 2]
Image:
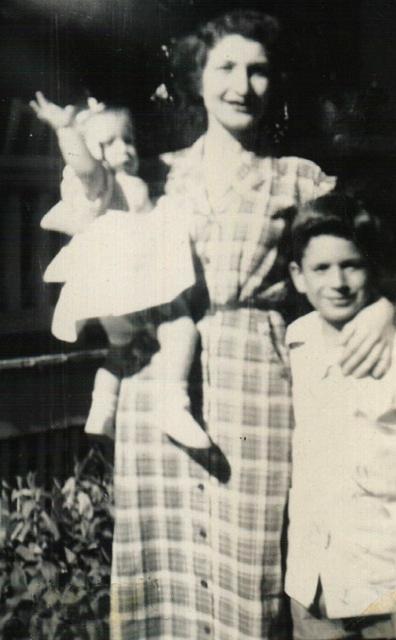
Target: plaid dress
[197, 547]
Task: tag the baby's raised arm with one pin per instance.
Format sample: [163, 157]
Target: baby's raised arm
[72, 145]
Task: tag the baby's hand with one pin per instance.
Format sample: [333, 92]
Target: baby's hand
[49, 112]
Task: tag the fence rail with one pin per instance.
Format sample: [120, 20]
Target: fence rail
[51, 359]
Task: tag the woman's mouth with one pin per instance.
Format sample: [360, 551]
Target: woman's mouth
[242, 107]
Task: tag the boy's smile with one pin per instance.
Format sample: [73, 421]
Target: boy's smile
[335, 278]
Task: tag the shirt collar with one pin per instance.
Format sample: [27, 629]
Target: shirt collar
[308, 332]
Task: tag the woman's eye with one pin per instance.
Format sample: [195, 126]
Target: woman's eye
[259, 70]
[227, 66]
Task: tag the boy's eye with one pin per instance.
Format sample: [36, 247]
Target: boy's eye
[321, 267]
[353, 264]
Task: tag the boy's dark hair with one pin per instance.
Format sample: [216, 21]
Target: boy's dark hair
[340, 215]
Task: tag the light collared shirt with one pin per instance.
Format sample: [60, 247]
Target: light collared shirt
[342, 506]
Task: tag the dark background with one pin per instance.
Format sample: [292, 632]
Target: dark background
[342, 50]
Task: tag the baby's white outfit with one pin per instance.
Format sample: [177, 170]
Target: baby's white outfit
[342, 506]
[125, 259]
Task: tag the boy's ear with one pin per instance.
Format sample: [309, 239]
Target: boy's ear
[297, 276]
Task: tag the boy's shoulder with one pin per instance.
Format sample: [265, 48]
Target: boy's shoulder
[303, 330]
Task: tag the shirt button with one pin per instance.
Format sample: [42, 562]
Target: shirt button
[204, 584]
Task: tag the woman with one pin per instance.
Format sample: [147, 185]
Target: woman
[197, 546]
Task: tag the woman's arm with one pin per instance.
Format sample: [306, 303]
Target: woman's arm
[72, 145]
[368, 341]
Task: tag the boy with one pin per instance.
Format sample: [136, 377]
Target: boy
[341, 566]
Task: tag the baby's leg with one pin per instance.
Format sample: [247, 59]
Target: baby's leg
[101, 417]
[178, 339]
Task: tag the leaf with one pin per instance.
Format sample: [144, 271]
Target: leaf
[50, 627]
[31, 480]
[18, 579]
[26, 553]
[50, 525]
[26, 493]
[4, 620]
[36, 586]
[35, 548]
[3, 582]
[70, 598]
[78, 580]
[31, 571]
[24, 532]
[69, 488]
[70, 556]
[27, 508]
[51, 597]
[13, 602]
[49, 572]
[16, 531]
[85, 505]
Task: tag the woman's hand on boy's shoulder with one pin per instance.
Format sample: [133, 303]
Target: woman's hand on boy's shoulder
[368, 341]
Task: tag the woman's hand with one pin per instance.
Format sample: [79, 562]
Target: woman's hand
[49, 112]
[368, 341]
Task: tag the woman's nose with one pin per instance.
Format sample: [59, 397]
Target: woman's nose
[241, 81]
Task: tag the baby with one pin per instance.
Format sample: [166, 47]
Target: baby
[127, 263]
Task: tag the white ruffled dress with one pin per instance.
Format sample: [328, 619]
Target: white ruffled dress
[127, 259]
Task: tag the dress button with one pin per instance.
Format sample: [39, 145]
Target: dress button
[204, 584]
[328, 540]
[201, 487]
[207, 629]
[202, 533]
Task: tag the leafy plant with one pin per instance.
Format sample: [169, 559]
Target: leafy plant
[55, 555]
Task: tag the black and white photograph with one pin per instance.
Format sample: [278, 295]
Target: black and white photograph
[197, 320]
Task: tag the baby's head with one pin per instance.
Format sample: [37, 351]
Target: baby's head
[335, 244]
[110, 136]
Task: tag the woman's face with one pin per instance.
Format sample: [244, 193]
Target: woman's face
[235, 83]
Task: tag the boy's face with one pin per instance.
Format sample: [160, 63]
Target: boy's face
[109, 137]
[335, 278]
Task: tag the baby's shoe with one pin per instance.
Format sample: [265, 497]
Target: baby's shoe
[101, 417]
[174, 417]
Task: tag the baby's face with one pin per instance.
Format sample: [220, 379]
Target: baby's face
[335, 278]
[109, 136]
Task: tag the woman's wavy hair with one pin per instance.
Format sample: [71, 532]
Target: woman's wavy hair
[189, 54]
